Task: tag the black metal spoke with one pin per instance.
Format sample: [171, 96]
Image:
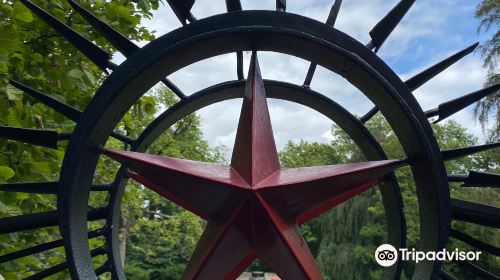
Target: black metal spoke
[462, 152]
[451, 107]
[62, 266]
[38, 137]
[474, 242]
[122, 43]
[332, 18]
[42, 220]
[96, 54]
[281, 5]
[102, 269]
[476, 179]
[182, 9]
[43, 247]
[60, 107]
[233, 5]
[476, 213]
[423, 77]
[387, 24]
[40, 187]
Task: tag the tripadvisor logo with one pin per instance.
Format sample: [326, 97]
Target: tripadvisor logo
[386, 255]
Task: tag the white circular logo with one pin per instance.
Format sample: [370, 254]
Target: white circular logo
[386, 255]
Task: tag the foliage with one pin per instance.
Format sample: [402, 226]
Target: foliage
[488, 12]
[33, 53]
[349, 234]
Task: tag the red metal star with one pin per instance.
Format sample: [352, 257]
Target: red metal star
[253, 207]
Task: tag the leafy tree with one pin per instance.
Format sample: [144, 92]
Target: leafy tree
[488, 12]
[345, 238]
[35, 54]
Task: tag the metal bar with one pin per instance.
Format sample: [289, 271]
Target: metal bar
[281, 5]
[476, 270]
[387, 24]
[451, 107]
[102, 269]
[39, 137]
[62, 108]
[96, 54]
[476, 213]
[474, 242]
[102, 188]
[41, 220]
[233, 5]
[41, 188]
[446, 276]
[462, 152]
[122, 43]
[182, 9]
[332, 18]
[423, 77]
[43, 247]
[28, 221]
[165, 81]
[62, 266]
[476, 179]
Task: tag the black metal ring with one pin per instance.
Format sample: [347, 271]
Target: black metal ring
[254, 30]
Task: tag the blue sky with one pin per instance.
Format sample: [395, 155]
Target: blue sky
[431, 31]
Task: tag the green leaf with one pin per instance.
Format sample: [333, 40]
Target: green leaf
[9, 41]
[13, 93]
[6, 172]
[21, 13]
[75, 73]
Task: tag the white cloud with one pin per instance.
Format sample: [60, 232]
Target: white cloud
[420, 35]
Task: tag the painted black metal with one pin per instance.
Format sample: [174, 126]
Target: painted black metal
[388, 23]
[38, 137]
[462, 152]
[474, 242]
[281, 5]
[62, 266]
[476, 213]
[233, 5]
[102, 269]
[122, 43]
[476, 179]
[332, 18]
[42, 219]
[38, 187]
[45, 187]
[253, 30]
[446, 276]
[476, 270]
[113, 218]
[62, 108]
[43, 247]
[451, 107]
[182, 9]
[239, 66]
[28, 221]
[99, 56]
[423, 77]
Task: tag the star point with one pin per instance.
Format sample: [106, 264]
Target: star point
[253, 208]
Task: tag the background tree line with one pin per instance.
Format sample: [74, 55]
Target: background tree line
[157, 237]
